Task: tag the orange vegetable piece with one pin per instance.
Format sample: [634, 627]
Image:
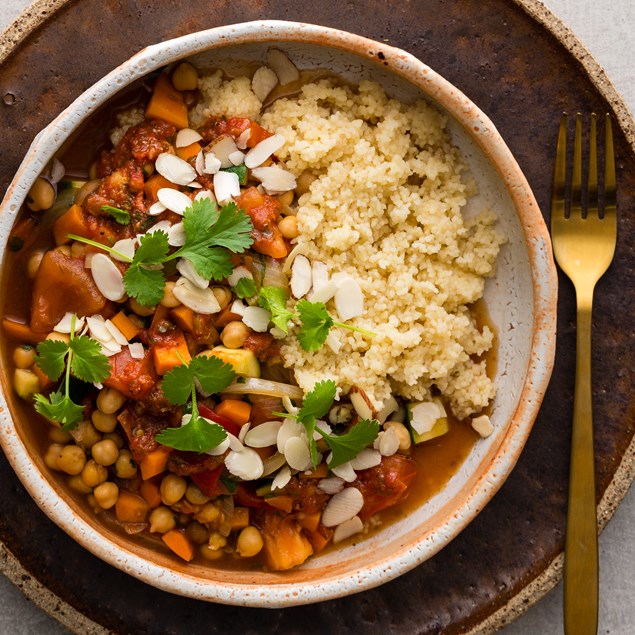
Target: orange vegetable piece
[283, 503]
[188, 152]
[235, 410]
[318, 540]
[151, 493]
[179, 543]
[160, 313]
[225, 317]
[167, 104]
[45, 381]
[125, 325]
[155, 462]
[285, 546]
[183, 317]
[310, 522]
[131, 377]
[240, 519]
[167, 356]
[72, 221]
[131, 508]
[21, 332]
[256, 134]
[154, 184]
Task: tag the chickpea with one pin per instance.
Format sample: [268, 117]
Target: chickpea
[197, 533]
[140, 309]
[211, 554]
[234, 334]
[286, 198]
[216, 541]
[58, 337]
[57, 435]
[125, 467]
[85, 435]
[162, 520]
[77, 485]
[194, 495]
[110, 400]
[71, 459]
[41, 195]
[249, 542]
[172, 489]
[169, 300]
[288, 227]
[78, 250]
[304, 182]
[33, 264]
[94, 474]
[106, 494]
[223, 296]
[185, 77]
[51, 454]
[105, 452]
[115, 438]
[208, 514]
[93, 504]
[23, 356]
[104, 422]
[402, 432]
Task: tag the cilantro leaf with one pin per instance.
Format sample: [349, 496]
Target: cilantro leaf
[59, 407]
[145, 285]
[240, 171]
[233, 229]
[121, 216]
[177, 384]
[319, 401]
[153, 249]
[316, 324]
[274, 299]
[197, 435]
[88, 363]
[245, 288]
[51, 358]
[347, 446]
[213, 374]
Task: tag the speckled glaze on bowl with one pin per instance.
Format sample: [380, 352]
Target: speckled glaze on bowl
[521, 301]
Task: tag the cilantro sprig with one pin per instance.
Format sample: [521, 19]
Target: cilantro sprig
[344, 447]
[245, 288]
[179, 385]
[274, 299]
[82, 357]
[121, 216]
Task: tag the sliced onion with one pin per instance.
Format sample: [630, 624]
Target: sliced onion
[265, 387]
[227, 509]
[274, 276]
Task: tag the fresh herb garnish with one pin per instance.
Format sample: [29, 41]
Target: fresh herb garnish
[121, 216]
[274, 299]
[144, 279]
[82, 357]
[346, 447]
[245, 288]
[240, 171]
[179, 385]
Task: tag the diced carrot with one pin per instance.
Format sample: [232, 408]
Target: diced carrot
[125, 325]
[225, 317]
[179, 543]
[21, 332]
[240, 519]
[154, 184]
[131, 377]
[310, 522]
[321, 471]
[283, 503]
[131, 508]
[160, 313]
[188, 152]
[173, 354]
[250, 199]
[285, 546]
[234, 410]
[318, 540]
[183, 317]
[155, 462]
[167, 103]
[256, 134]
[45, 381]
[151, 493]
[72, 221]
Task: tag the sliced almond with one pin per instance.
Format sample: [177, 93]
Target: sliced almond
[347, 529]
[238, 307]
[274, 179]
[281, 479]
[195, 185]
[300, 276]
[175, 169]
[115, 333]
[331, 485]
[136, 350]
[389, 442]
[246, 464]
[349, 300]
[162, 225]
[390, 406]
[226, 186]
[299, 249]
[243, 139]
[323, 292]
[97, 328]
[257, 318]
[289, 428]
[185, 267]
[200, 163]
[205, 194]
[107, 277]
[238, 274]
[186, 137]
[212, 163]
[222, 147]
[344, 471]
[156, 208]
[366, 459]
[176, 235]
[319, 273]
[282, 66]
[483, 425]
[237, 158]
[296, 451]
[333, 340]
[199, 300]
[342, 507]
[263, 82]
[221, 448]
[174, 200]
[126, 247]
[262, 151]
[362, 404]
[424, 415]
[263, 435]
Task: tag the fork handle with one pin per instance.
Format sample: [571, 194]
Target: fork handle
[581, 545]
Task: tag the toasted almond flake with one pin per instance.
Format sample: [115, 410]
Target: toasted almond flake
[98, 385]
[195, 185]
[226, 186]
[156, 208]
[97, 326]
[200, 163]
[282, 66]
[237, 158]
[289, 428]
[296, 451]
[243, 139]
[300, 276]
[263, 82]
[366, 459]
[108, 279]
[347, 529]
[222, 147]
[136, 350]
[256, 318]
[126, 247]
[221, 448]
[262, 151]
[238, 274]
[238, 307]
[333, 341]
[199, 300]
[109, 352]
[115, 333]
[162, 225]
[389, 442]
[424, 415]
[245, 464]
[362, 404]
[390, 406]
[64, 325]
[205, 194]
[244, 429]
[88, 259]
[212, 163]
[323, 292]
[319, 273]
[331, 485]
[274, 179]
[186, 137]
[235, 443]
[175, 169]
[321, 425]
[349, 301]
[281, 479]
[185, 267]
[344, 471]
[482, 425]
[342, 507]
[174, 200]
[441, 407]
[263, 435]
[273, 463]
[299, 249]
[176, 235]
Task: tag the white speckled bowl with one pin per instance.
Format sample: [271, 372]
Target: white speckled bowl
[521, 300]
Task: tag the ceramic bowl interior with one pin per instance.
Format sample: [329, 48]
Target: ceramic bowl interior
[520, 300]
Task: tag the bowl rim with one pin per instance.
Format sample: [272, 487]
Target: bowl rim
[544, 282]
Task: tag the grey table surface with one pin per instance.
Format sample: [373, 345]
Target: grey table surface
[608, 31]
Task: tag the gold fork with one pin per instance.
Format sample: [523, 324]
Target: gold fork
[584, 245]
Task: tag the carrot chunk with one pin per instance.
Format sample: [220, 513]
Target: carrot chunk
[167, 104]
[179, 543]
[285, 546]
[188, 152]
[235, 410]
[131, 508]
[283, 503]
[173, 353]
[155, 462]
[21, 332]
[125, 325]
[183, 317]
[151, 493]
[72, 221]
[310, 522]
[154, 184]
